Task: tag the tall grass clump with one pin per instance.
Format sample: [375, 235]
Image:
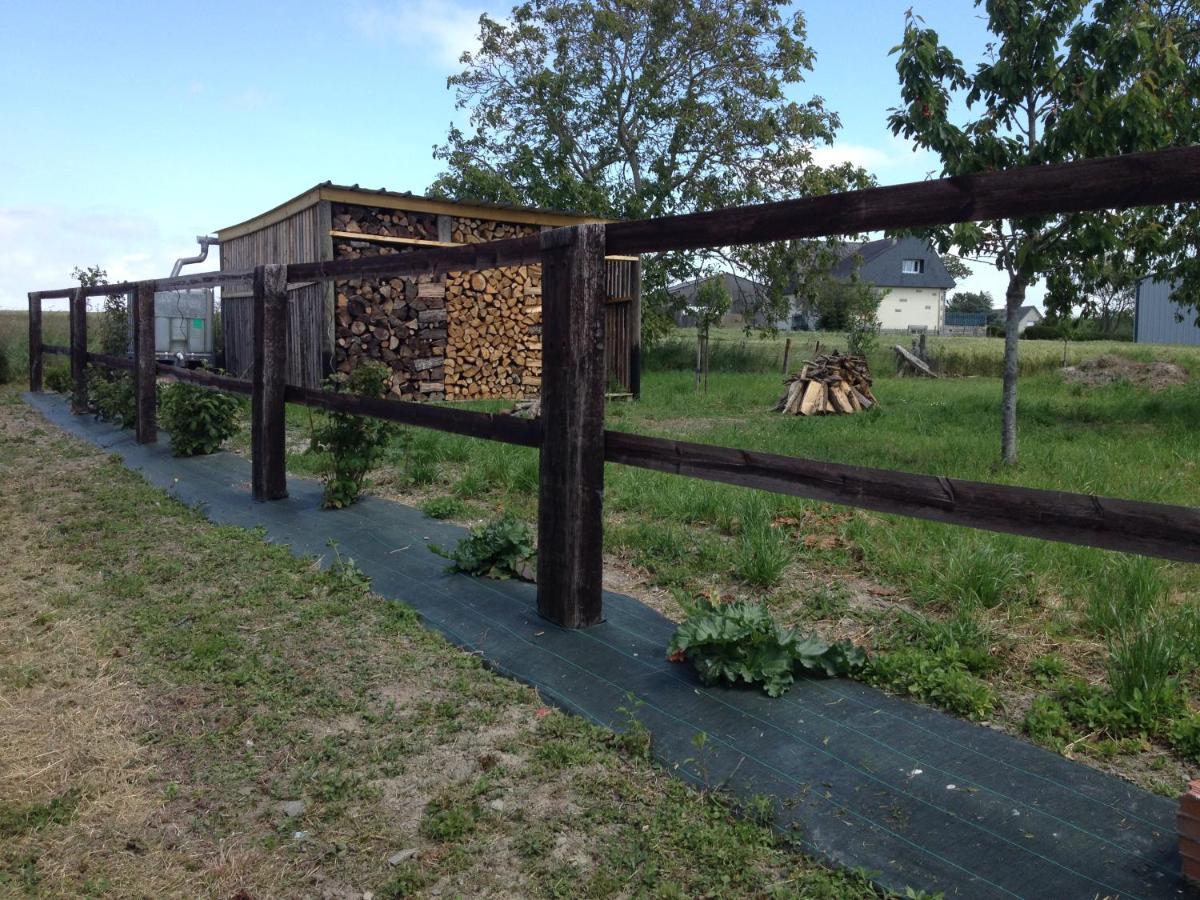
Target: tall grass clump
[762, 554]
[979, 576]
[1127, 591]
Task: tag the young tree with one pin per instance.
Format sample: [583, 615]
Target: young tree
[1039, 97]
[115, 334]
[636, 108]
[970, 302]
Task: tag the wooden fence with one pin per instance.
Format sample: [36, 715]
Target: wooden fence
[570, 435]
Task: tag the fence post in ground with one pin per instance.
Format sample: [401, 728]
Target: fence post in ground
[571, 475]
[79, 351]
[145, 372]
[268, 466]
[35, 342]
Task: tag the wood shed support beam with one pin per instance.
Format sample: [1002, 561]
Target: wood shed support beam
[571, 475]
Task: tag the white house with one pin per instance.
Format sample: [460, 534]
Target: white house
[910, 275]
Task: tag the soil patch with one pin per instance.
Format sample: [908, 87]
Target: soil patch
[1113, 369]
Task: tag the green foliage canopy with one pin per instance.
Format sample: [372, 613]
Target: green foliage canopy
[636, 108]
[970, 302]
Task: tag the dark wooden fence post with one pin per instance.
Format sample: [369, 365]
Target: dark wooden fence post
[268, 467]
[79, 352]
[145, 362]
[571, 481]
[35, 342]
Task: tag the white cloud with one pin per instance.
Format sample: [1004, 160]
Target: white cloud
[39, 246]
[892, 160]
[446, 28]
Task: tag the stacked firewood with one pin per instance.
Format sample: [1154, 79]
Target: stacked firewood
[400, 322]
[384, 222]
[472, 231]
[829, 384]
[494, 348]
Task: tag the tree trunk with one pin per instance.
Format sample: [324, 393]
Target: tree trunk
[1014, 299]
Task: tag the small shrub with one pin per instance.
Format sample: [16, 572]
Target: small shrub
[6, 368]
[198, 420]
[501, 548]
[443, 507]
[1185, 736]
[741, 642]
[353, 444]
[57, 379]
[111, 396]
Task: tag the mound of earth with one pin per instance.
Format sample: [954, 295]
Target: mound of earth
[1111, 369]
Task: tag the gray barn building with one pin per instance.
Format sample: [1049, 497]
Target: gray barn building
[1160, 320]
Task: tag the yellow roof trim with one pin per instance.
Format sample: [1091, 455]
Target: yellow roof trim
[406, 202]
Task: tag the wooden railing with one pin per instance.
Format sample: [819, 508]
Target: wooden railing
[570, 434]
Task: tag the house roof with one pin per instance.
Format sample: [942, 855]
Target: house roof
[879, 263]
[407, 201]
[1022, 312]
[742, 291]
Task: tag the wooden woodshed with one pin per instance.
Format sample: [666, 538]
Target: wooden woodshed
[462, 336]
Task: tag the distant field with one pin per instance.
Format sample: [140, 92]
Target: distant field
[734, 350]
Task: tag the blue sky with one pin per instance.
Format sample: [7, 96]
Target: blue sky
[132, 127]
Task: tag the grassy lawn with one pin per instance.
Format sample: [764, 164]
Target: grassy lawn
[188, 711]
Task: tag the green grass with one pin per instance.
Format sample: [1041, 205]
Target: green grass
[196, 677]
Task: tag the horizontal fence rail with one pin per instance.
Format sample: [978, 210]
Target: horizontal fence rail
[1153, 529]
[570, 435]
[1132, 526]
[1139, 179]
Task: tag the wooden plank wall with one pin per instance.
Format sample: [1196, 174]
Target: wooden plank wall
[297, 238]
[619, 324]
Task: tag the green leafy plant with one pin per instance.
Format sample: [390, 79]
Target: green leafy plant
[111, 395]
[352, 444]
[197, 419]
[443, 507]
[57, 379]
[5, 365]
[1185, 736]
[345, 573]
[936, 678]
[741, 642]
[501, 548]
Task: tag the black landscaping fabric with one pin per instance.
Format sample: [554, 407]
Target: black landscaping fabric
[860, 779]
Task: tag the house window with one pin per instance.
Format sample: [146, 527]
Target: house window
[913, 266]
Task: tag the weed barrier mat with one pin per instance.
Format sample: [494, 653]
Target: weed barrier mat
[857, 778]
